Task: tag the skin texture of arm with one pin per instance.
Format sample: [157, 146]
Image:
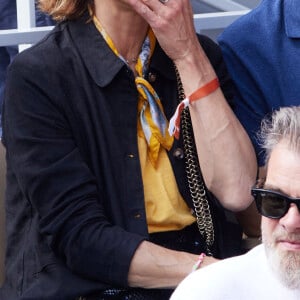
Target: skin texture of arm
[250, 218]
[156, 267]
[225, 152]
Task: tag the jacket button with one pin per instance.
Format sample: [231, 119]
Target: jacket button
[137, 216]
[151, 77]
[178, 153]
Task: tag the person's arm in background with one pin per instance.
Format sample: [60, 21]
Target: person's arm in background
[250, 219]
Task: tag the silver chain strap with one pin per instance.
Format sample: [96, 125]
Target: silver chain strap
[194, 177]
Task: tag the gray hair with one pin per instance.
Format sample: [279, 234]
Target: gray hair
[284, 124]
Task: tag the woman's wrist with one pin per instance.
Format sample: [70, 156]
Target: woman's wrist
[195, 71]
[199, 261]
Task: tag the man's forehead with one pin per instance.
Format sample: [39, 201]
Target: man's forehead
[283, 172]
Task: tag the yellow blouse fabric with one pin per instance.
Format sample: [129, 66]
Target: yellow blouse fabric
[165, 208]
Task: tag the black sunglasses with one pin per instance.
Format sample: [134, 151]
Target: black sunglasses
[273, 204]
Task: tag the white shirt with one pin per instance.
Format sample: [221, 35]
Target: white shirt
[244, 277]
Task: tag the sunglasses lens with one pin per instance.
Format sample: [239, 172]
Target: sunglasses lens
[272, 206]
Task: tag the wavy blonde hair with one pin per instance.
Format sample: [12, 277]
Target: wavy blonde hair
[64, 9]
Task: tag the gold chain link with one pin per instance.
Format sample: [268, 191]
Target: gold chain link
[194, 176]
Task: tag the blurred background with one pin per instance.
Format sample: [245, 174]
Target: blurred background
[217, 6]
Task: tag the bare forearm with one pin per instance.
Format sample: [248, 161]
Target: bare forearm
[156, 267]
[250, 218]
[226, 154]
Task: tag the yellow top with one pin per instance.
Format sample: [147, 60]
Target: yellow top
[165, 208]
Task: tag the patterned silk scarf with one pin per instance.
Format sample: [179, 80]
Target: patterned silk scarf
[152, 123]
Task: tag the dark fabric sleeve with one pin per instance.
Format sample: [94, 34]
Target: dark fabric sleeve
[54, 178]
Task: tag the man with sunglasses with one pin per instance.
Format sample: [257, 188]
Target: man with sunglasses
[272, 269]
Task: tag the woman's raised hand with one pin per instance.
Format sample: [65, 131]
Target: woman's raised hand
[172, 24]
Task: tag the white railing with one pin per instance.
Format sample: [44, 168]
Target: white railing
[28, 34]
[225, 5]
[216, 20]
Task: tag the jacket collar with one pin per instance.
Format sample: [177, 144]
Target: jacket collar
[102, 63]
[291, 13]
